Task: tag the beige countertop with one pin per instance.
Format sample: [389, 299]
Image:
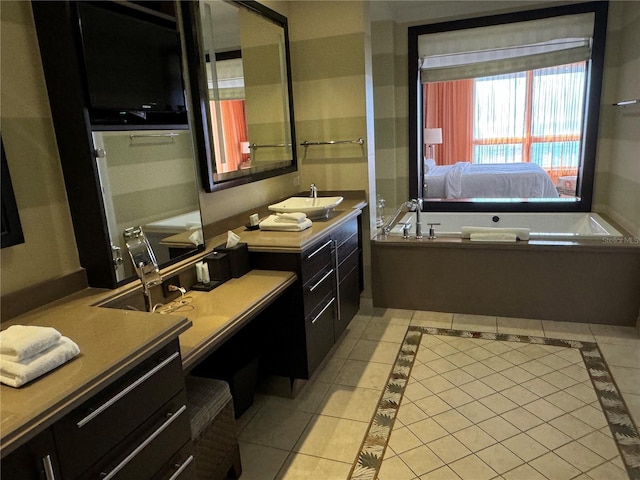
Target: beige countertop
[109, 340]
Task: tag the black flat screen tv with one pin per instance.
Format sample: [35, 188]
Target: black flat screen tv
[132, 67]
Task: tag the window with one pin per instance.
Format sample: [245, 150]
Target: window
[516, 97]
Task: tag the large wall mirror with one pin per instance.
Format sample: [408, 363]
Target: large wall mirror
[238, 54]
[506, 108]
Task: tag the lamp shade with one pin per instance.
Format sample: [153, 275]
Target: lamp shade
[432, 136]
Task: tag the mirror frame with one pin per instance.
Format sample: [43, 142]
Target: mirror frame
[200, 96]
[590, 123]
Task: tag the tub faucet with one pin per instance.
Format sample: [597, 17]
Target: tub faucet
[387, 228]
[314, 191]
[418, 205]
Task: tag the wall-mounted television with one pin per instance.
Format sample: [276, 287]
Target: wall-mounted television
[132, 67]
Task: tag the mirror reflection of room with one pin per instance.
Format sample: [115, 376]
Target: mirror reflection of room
[505, 117]
[148, 179]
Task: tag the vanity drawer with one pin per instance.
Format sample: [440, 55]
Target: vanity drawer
[319, 332]
[316, 258]
[349, 246]
[345, 231]
[143, 454]
[100, 424]
[318, 288]
[182, 466]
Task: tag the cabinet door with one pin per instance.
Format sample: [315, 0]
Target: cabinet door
[319, 334]
[36, 460]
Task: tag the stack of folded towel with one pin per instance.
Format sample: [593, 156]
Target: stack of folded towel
[286, 222]
[26, 352]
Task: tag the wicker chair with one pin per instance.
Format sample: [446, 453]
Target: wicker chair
[213, 429]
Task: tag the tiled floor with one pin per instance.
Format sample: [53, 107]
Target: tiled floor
[472, 409]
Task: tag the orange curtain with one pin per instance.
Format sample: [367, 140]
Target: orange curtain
[235, 131]
[449, 106]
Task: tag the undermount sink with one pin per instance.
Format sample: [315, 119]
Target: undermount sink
[313, 207]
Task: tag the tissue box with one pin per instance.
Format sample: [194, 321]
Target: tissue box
[219, 266]
[238, 258]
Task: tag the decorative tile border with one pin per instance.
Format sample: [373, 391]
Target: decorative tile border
[625, 433]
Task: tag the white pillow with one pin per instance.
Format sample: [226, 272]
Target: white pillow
[428, 163]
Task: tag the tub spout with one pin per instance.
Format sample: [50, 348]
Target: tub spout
[418, 206]
[411, 206]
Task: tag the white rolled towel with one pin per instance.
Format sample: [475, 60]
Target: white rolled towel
[520, 233]
[23, 341]
[271, 223]
[16, 374]
[291, 217]
[493, 237]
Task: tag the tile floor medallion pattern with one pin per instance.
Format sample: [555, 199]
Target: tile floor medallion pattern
[463, 395]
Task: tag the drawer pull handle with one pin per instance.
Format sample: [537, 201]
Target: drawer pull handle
[181, 468]
[172, 418]
[311, 289]
[114, 399]
[337, 260]
[319, 249]
[48, 468]
[323, 310]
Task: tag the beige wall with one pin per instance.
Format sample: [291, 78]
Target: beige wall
[49, 250]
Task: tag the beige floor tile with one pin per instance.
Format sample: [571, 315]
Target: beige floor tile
[534, 351]
[476, 412]
[479, 353]
[543, 409]
[363, 374]
[260, 462]
[499, 428]
[356, 326]
[579, 456]
[306, 467]
[472, 468]
[449, 449]
[444, 349]
[383, 332]
[520, 326]
[559, 380]
[627, 379]
[571, 355]
[461, 359]
[600, 444]
[555, 361]
[564, 401]
[373, 351]
[416, 391]
[410, 413]
[343, 348]
[349, 402]
[329, 369]
[548, 436]
[432, 319]
[567, 331]
[474, 438]
[498, 348]
[517, 375]
[590, 416]
[577, 372]
[402, 440]
[452, 421]
[498, 403]
[499, 458]
[571, 426]
[554, 467]
[442, 473]
[524, 472]
[275, 427]
[475, 323]
[421, 372]
[421, 460]
[458, 376]
[441, 365]
[498, 382]
[307, 400]
[394, 469]
[522, 419]
[258, 402]
[427, 430]
[520, 395]
[455, 397]
[478, 370]
[525, 447]
[516, 357]
[437, 384]
[536, 367]
[586, 393]
[497, 363]
[633, 404]
[608, 471]
[615, 334]
[398, 313]
[432, 405]
[332, 438]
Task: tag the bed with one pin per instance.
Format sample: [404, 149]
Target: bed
[498, 180]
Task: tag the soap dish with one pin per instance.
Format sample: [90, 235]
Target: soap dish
[252, 227]
[205, 287]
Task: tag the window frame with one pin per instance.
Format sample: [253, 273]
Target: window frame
[595, 70]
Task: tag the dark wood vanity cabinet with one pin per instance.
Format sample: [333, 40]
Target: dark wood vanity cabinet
[305, 323]
[137, 427]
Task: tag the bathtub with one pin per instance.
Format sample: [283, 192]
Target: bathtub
[577, 268]
[542, 226]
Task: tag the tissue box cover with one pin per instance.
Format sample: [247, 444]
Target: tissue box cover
[219, 266]
[238, 258]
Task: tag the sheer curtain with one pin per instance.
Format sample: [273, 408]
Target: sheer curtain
[234, 128]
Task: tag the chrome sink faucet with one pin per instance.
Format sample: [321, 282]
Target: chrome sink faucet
[418, 203]
[314, 191]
